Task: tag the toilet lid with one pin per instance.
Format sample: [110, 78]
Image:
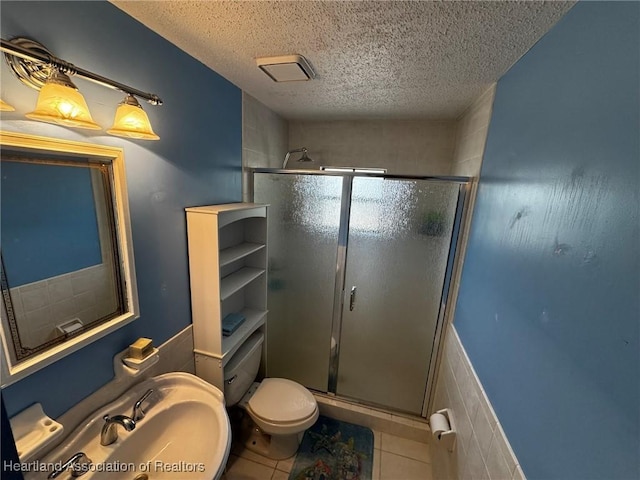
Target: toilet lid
[282, 400]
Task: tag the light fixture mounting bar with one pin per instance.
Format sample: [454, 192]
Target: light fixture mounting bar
[13, 47]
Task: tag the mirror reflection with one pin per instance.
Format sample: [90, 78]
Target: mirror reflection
[60, 273]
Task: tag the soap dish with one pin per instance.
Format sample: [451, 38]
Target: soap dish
[33, 430]
[126, 366]
[144, 363]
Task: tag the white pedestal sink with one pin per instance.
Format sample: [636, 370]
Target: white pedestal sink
[185, 435]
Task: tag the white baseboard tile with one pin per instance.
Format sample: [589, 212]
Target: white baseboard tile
[176, 354]
[482, 449]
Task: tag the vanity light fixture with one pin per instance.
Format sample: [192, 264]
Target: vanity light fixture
[60, 101]
[132, 121]
[5, 107]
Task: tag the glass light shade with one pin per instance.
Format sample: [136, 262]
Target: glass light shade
[5, 107]
[62, 105]
[131, 121]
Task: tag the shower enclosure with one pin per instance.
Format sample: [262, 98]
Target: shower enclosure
[358, 279]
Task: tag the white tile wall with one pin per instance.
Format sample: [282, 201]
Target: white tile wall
[265, 136]
[471, 135]
[411, 147]
[86, 294]
[482, 448]
[473, 127]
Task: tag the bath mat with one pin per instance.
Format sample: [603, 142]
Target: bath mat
[334, 450]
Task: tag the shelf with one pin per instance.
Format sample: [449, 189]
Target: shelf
[228, 273]
[234, 282]
[231, 254]
[254, 319]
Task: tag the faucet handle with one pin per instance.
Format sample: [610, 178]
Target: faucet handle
[79, 464]
[138, 412]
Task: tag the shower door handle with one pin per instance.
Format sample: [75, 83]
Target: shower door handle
[352, 299]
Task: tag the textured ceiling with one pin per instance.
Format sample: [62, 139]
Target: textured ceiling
[374, 59]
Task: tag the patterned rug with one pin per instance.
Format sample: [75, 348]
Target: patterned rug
[334, 450]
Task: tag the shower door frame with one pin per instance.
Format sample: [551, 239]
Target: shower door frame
[461, 212]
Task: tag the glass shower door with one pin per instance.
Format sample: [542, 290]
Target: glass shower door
[398, 246]
[304, 220]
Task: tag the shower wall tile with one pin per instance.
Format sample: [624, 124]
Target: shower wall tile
[484, 425]
[60, 289]
[16, 301]
[457, 385]
[496, 461]
[254, 158]
[482, 448]
[469, 167]
[471, 135]
[64, 309]
[265, 136]
[518, 474]
[34, 296]
[46, 303]
[411, 147]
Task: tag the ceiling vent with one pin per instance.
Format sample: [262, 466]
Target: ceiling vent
[287, 68]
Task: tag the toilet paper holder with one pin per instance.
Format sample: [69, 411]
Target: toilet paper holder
[446, 438]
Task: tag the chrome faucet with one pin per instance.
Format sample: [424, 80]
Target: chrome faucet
[138, 413]
[79, 463]
[109, 433]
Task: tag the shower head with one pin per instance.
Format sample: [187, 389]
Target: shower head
[303, 158]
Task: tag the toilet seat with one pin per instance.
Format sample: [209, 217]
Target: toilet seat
[279, 400]
[281, 406]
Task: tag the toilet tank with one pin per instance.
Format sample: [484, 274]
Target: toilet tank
[242, 369]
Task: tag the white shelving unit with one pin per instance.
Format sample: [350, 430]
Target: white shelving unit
[234, 282]
[228, 274]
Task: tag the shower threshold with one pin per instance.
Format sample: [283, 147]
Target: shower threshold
[399, 424]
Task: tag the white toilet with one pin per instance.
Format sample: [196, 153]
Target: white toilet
[280, 409]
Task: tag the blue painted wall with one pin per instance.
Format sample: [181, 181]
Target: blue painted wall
[36, 202]
[196, 162]
[548, 309]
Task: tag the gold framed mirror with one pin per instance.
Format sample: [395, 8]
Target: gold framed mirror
[67, 275]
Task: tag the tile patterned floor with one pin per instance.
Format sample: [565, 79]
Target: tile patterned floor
[394, 458]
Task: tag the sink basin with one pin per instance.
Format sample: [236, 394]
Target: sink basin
[185, 434]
